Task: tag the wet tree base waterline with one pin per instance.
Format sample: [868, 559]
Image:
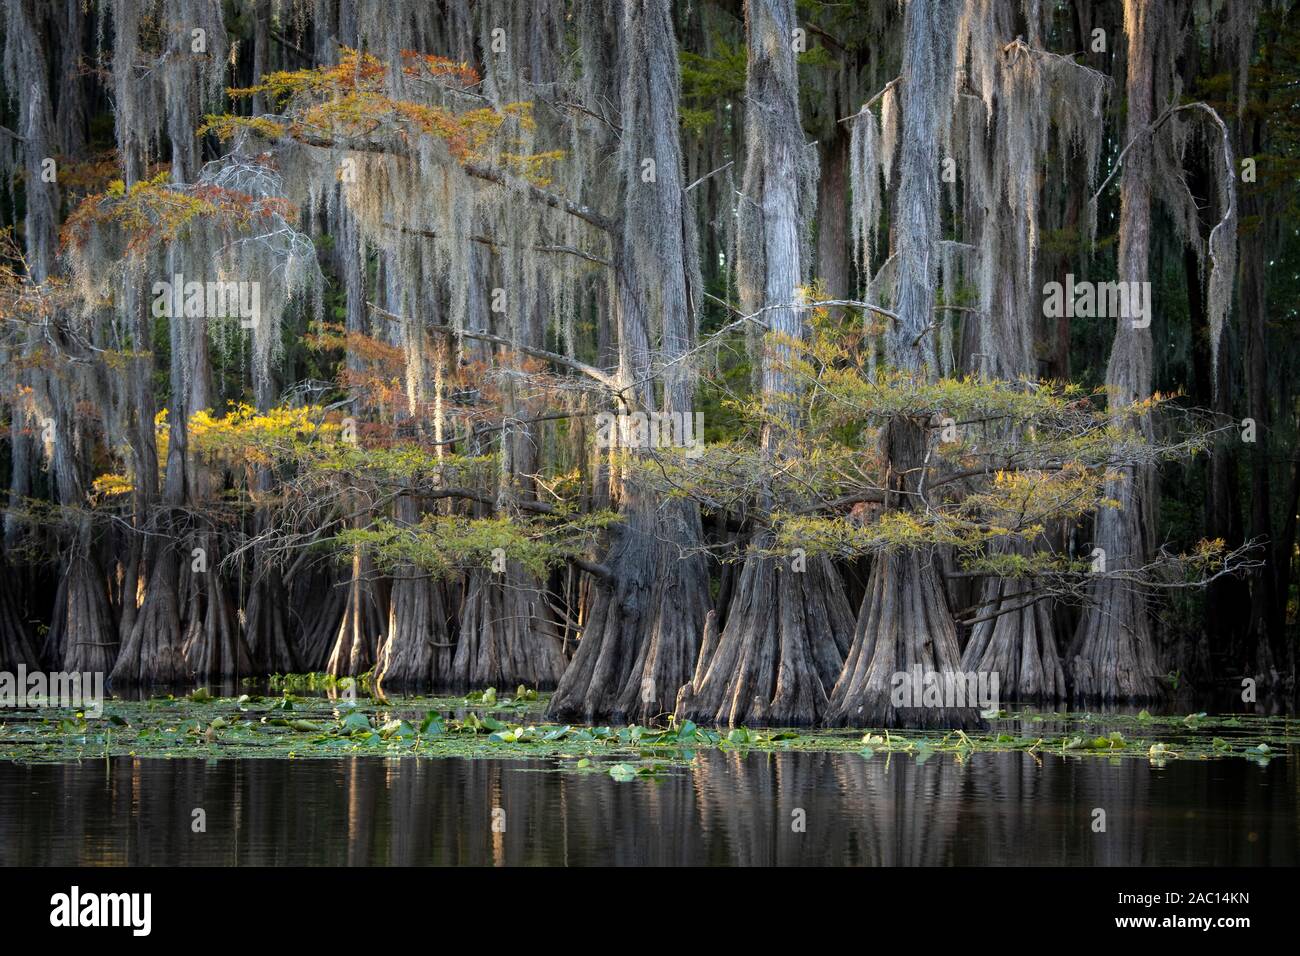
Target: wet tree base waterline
[484, 725]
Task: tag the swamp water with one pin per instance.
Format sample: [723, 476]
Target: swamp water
[477, 782]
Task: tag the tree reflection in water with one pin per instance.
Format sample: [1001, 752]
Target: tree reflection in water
[728, 808]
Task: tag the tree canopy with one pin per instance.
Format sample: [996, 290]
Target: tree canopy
[722, 359]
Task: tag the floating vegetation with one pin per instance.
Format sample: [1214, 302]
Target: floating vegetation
[488, 724]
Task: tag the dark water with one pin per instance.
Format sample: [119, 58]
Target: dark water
[728, 809]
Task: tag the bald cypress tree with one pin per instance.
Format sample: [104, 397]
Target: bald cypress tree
[647, 614]
[1113, 655]
[27, 47]
[905, 621]
[786, 630]
[1003, 132]
[522, 213]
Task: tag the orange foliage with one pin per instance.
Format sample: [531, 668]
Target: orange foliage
[349, 100]
[152, 210]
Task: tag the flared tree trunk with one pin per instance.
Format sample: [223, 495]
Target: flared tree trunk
[357, 638]
[152, 652]
[88, 632]
[639, 642]
[786, 629]
[781, 650]
[271, 647]
[1113, 655]
[905, 626]
[214, 646]
[16, 644]
[129, 599]
[268, 625]
[507, 636]
[152, 649]
[418, 647]
[1019, 642]
[321, 600]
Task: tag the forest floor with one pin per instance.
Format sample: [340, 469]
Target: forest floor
[304, 717]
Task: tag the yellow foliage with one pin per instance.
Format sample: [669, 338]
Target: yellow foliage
[107, 486]
[246, 434]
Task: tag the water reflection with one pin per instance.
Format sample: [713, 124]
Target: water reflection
[728, 809]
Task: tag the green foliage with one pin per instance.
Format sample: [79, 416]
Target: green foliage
[324, 726]
[441, 544]
[709, 81]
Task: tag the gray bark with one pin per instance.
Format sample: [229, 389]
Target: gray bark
[904, 621]
[640, 640]
[786, 629]
[1113, 656]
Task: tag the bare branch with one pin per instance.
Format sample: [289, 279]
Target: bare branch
[604, 378]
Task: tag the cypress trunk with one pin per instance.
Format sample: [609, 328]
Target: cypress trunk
[640, 640]
[356, 640]
[904, 622]
[786, 628]
[418, 645]
[642, 633]
[16, 644]
[1019, 644]
[1113, 655]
